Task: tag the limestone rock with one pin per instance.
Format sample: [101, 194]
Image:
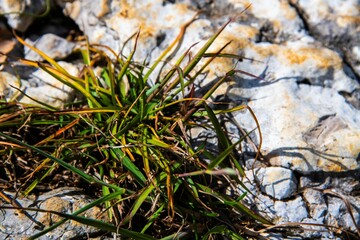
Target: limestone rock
[20, 14]
[291, 211]
[16, 225]
[335, 23]
[327, 196]
[54, 46]
[50, 90]
[277, 182]
[305, 128]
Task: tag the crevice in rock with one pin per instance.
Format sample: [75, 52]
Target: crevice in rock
[55, 22]
[339, 44]
[164, 2]
[160, 39]
[304, 81]
[301, 15]
[352, 98]
[267, 33]
[347, 63]
[321, 176]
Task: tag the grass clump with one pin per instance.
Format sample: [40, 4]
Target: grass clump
[128, 141]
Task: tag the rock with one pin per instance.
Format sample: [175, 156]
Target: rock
[316, 203]
[54, 46]
[7, 44]
[8, 80]
[314, 206]
[89, 15]
[305, 128]
[100, 21]
[290, 211]
[334, 23]
[49, 90]
[326, 195]
[339, 215]
[281, 24]
[20, 14]
[16, 225]
[277, 182]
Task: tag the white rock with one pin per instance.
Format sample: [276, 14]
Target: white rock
[289, 115]
[282, 20]
[51, 91]
[290, 211]
[338, 213]
[279, 183]
[316, 203]
[18, 12]
[54, 46]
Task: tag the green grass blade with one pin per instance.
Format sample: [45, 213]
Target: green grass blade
[222, 138]
[222, 156]
[129, 165]
[38, 179]
[168, 49]
[231, 202]
[139, 201]
[224, 231]
[69, 81]
[202, 51]
[124, 68]
[153, 218]
[43, 55]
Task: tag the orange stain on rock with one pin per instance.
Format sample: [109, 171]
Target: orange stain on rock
[295, 57]
[320, 57]
[289, 12]
[345, 21]
[331, 166]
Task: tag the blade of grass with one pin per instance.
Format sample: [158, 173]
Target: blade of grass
[222, 138]
[153, 218]
[222, 156]
[230, 202]
[224, 231]
[42, 54]
[64, 78]
[130, 166]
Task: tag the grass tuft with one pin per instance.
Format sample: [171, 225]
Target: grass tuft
[127, 140]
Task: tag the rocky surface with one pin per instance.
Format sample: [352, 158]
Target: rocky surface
[308, 103]
[15, 224]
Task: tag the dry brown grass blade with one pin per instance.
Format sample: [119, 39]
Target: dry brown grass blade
[58, 132]
[11, 144]
[5, 117]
